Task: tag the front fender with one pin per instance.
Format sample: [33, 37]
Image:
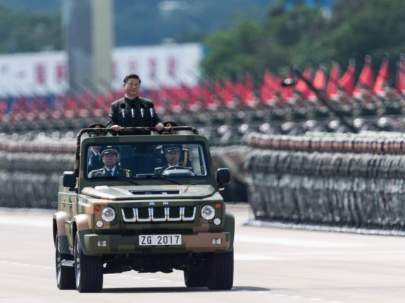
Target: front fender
[59, 232]
[230, 227]
[60, 219]
[83, 222]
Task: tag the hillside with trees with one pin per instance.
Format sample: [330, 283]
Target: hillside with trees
[307, 35]
[27, 31]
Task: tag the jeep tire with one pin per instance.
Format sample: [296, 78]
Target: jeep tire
[220, 275]
[195, 276]
[88, 270]
[65, 275]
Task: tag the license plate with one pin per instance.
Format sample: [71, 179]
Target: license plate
[159, 240]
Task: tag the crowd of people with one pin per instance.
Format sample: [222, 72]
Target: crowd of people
[226, 110]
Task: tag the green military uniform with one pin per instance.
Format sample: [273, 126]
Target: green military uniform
[104, 172]
[138, 112]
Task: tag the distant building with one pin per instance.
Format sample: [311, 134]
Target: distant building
[47, 72]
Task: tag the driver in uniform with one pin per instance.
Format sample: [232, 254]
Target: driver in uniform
[172, 154]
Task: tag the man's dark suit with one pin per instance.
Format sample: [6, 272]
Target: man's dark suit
[138, 112]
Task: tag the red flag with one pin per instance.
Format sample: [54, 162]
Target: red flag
[366, 75]
[207, 95]
[194, 93]
[366, 79]
[301, 86]
[225, 92]
[169, 102]
[268, 88]
[175, 96]
[182, 95]
[245, 91]
[319, 82]
[331, 90]
[382, 77]
[401, 75]
[101, 106]
[189, 96]
[70, 108]
[346, 82]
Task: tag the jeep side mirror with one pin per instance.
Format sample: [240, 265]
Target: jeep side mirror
[223, 177]
[69, 179]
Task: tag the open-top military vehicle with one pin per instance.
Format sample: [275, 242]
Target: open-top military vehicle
[139, 200]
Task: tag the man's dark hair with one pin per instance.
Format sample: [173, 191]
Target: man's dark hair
[132, 76]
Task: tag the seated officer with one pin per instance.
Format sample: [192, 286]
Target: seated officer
[172, 153]
[110, 159]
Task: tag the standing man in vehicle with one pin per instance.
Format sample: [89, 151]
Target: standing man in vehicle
[132, 110]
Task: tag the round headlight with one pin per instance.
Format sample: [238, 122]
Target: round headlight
[108, 214]
[208, 212]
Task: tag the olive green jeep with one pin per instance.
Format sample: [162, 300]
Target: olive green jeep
[144, 201]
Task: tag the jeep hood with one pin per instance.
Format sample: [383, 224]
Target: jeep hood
[139, 192]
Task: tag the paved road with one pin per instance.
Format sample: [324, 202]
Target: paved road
[272, 265]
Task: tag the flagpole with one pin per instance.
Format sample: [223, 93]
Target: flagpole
[321, 97]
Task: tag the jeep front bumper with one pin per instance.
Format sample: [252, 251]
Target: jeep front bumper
[106, 244]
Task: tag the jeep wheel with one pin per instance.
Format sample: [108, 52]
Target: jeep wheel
[65, 275]
[221, 271]
[195, 276]
[88, 270]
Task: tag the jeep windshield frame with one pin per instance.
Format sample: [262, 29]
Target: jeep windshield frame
[148, 178]
[188, 160]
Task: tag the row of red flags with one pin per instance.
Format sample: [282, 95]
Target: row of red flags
[224, 93]
[345, 82]
[331, 85]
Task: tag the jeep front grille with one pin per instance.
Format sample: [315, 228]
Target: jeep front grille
[159, 214]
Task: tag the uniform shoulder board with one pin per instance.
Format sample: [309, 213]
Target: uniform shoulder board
[117, 101]
[146, 100]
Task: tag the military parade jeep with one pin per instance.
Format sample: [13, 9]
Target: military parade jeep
[144, 201]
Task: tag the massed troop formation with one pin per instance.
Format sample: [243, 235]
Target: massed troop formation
[336, 180]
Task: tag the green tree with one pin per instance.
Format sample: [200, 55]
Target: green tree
[251, 47]
[307, 35]
[290, 37]
[232, 53]
[365, 27]
[22, 31]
